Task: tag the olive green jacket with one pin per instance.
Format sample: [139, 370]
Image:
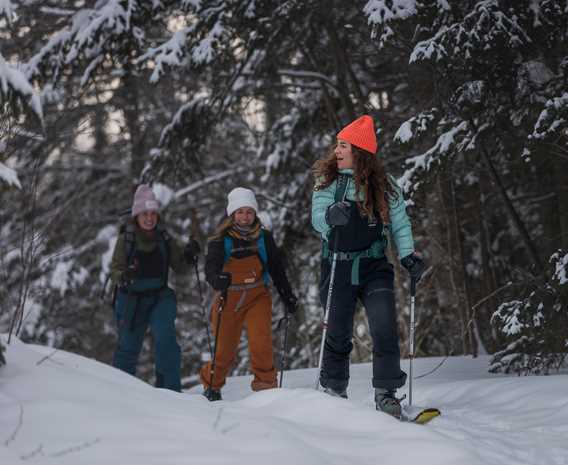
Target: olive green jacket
[146, 243]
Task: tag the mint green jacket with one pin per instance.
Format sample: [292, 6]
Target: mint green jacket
[400, 229]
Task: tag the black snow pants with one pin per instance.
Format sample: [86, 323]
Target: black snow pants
[376, 293]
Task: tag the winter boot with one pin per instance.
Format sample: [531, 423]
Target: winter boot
[386, 401]
[212, 394]
[334, 393]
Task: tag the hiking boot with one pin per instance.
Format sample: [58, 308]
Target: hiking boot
[212, 394]
[386, 401]
[334, 393]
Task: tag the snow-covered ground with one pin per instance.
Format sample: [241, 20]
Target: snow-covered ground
[61, 408]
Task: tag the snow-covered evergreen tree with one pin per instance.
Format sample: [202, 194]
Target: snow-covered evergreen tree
[198, 97]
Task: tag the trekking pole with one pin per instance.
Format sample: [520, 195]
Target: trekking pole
[286, 320]
[327, 308]
[222, 299]
[411, 339]
[203, 311]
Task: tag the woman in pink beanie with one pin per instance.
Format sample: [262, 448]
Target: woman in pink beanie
[143, 255]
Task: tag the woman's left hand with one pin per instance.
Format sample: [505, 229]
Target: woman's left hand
[414, 265]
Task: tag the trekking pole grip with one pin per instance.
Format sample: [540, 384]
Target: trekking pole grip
[413, 287]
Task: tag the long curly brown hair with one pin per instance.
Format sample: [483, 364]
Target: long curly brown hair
[370, 179]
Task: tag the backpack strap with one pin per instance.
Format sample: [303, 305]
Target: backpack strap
[342, 181]
[164, 244]
[129, 241]
[263, 256]
[228, 247]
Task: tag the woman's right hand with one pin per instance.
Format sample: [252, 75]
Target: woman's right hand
[222, 281]
[128, 276]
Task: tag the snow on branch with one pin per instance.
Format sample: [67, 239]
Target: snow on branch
[415, 126]
[179, 50]
[383, 11]
[7, 10]
[553, 119]
[14, 83]
[430, 49]
[424, 162]
[170, 53]
[531, 321]
[484, 29]
[92, 33]
[204, 52]
[9, 175]
[560, 263]
[191, 4]
[93, 29]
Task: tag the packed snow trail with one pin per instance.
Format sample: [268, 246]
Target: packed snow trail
[65, 409]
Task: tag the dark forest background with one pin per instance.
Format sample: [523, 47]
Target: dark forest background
[197, 97]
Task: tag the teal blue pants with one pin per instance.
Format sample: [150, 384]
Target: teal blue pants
[134, 313]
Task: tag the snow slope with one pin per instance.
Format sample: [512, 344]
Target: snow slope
[60, 408]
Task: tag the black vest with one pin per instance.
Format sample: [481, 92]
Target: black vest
[358, 234]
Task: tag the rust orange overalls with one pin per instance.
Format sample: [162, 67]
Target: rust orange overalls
[248, 303]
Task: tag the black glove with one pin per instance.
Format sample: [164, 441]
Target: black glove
[191, 251]
[127, 277]
[338, 213]
[222, 282]
[291, 303]
[414, 265]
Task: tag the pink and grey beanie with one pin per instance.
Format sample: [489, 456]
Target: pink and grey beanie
[240, 197]
[144, 200]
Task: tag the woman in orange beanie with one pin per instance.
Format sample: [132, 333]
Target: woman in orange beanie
[354, 205]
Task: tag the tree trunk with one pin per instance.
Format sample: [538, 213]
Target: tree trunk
[452, 251]
[469, 317]
[522, 230]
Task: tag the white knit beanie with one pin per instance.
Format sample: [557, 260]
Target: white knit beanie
[240, 197]
[144, 200]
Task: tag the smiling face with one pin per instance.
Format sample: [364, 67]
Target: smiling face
[343, 154]
[244, 216]
[147, 220]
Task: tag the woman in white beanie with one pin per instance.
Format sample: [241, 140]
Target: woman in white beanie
[241, 258]
[143, 255]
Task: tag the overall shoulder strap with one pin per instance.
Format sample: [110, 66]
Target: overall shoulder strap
[342, 181]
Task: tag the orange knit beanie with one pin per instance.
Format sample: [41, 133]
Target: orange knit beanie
[360, 133]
